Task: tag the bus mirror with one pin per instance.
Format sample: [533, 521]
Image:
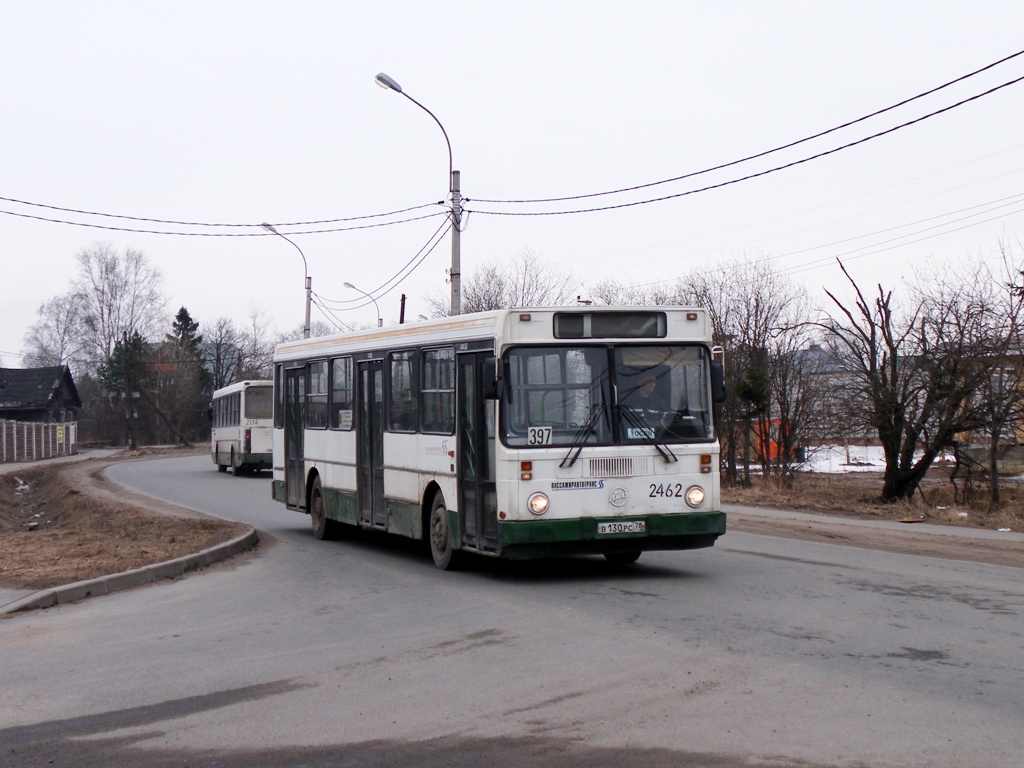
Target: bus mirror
[491, 380]
[717, 383]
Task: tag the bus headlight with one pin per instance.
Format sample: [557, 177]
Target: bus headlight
[694, 496]
[538, 503]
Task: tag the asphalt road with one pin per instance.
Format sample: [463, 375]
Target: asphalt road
[758, 652]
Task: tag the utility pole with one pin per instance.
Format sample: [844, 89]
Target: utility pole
[456, 274]
[129, 406]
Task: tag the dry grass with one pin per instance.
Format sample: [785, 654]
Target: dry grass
[858, 494]
[52, 533]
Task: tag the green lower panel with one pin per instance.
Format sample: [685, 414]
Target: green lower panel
[341, 506]
[538, 538]
[278, 492]
[404, 519]
[261, 459]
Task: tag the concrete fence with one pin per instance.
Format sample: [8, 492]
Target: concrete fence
[30, 441]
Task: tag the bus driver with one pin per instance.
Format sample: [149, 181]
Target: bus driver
[647, 402]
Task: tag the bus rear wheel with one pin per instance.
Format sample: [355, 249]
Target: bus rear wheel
[442, 549]
[622, 558]
[323, 527]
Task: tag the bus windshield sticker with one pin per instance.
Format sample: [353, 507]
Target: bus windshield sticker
[640, 433]
[539, 436]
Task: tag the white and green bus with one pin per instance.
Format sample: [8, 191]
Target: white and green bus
[515, 433]
[243, 427]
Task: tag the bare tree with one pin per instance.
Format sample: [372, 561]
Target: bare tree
[317, 329]
[614, 293]
[760, 319]
[53, 339]
[222, 351]
[256, 346]
[1000, 395]
[526, 281]
[796, 391]
[118, 294]
[918, 371]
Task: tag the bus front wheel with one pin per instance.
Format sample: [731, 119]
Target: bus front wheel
[441, 546]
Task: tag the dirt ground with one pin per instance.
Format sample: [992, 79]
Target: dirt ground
[856, 496]
[64, 523]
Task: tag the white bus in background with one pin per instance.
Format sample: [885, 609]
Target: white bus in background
[243, 427]
[514, 433]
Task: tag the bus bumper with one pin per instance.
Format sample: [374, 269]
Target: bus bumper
[579, 536]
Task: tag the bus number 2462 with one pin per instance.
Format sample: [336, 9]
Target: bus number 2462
[666, 490]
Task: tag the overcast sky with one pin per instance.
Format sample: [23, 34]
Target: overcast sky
[243, 112]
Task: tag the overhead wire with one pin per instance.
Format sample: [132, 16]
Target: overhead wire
[379, 291]
[832, 223]
[759, 174]
[764, 153]
[469, 210]
[222, 234]
[331, 317]
[207, 224]
[854, 253]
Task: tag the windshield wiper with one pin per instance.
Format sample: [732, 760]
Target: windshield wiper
[637, 422]
[581, 435]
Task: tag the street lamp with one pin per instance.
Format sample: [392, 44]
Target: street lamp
[305, 269]
[380, 322]
[454, 189]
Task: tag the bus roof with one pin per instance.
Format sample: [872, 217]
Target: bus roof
[238, 386]
[509, 325]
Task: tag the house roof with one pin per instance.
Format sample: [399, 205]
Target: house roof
[817, 359]
[22, 388]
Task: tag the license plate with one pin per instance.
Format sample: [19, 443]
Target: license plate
[627, 526]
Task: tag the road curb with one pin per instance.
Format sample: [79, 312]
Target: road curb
[104, 585]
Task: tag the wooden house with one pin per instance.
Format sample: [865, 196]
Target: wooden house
[38, 394]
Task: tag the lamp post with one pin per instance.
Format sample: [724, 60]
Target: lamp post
[454, 190]
[380, 322]
[305, 269]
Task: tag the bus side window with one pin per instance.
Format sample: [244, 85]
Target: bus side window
[437, 391]
[316, 395]
[402, 396]
[342, 399]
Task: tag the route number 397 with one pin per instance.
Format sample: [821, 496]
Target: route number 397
[539, 436]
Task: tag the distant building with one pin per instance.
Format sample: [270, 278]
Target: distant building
[38, 394]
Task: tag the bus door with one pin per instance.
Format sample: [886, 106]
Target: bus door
[370, 489]
[477, 495]
[294, 447]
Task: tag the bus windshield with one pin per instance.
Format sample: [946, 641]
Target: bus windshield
[607, 395]
[259, 402]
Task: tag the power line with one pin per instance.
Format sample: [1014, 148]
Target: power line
[206, 224]
[379, 291]
[854, 253]
[221, 234]
[766, 152]
[759, 174]
[332, 318]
